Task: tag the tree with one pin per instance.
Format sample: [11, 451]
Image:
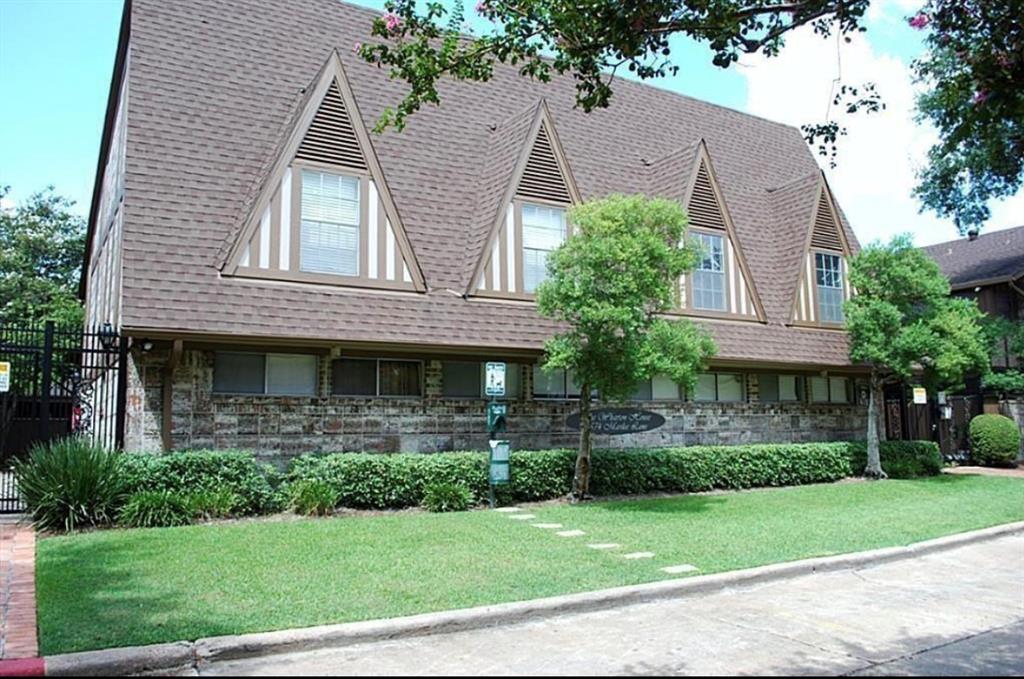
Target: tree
[611, 284]
[902, 322]
[972, 71]
[42, 244]
[1006, 339]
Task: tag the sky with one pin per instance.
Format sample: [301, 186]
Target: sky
[56, 59]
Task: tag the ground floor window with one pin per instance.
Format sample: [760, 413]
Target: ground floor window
[780, 388]
[554, 383]
[465, 379]
[830, 389]
[658, 388]
[272, 374]
[725, 387]
[376, 377]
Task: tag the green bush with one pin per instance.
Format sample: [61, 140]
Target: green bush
[447, 497]
[313, 497]
[156, 508]
[206, 471]
[900, 459]
[213, 504]
[995, 440]
[70, 483]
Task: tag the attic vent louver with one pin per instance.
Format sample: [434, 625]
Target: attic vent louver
[826, 230]
[542, 177]
[703, 209]
[330, 138]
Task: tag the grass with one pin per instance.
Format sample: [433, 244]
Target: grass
[131, 587]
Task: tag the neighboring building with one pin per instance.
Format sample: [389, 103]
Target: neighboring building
[293, 282]
[989, 269]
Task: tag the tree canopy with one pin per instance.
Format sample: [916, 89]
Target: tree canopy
[610, 285]
[41, 248]
[972, 70]
[904, 325]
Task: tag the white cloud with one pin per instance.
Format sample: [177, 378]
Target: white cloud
[879, 157]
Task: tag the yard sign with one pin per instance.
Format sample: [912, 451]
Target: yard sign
[5, 376]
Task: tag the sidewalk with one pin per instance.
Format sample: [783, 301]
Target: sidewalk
[17, 589]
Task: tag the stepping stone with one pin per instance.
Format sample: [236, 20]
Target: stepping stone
[571, 533]
[685, 568]
[638, 555]
[605, 545]
[522, 517]
[508, 510]
[546, 525]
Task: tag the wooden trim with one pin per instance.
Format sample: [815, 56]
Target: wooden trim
[503, 256]
[295, 250]
[324, 279]
[275, 230]
[517, 225]
[382, 245]
[364, 227]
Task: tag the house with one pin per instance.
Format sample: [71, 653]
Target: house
[291, 281]
[988, 268]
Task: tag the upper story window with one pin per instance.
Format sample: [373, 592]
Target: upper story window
[829, 270]
[544, 229]
[709, 276]
[330, 224]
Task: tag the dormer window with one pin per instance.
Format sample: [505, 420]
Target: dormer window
[330, 224]
[709, 276]
[829, 269]
[544, 229]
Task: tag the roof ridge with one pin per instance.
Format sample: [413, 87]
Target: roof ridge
[981, 236]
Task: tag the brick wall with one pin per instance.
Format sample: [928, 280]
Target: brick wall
[280, 427]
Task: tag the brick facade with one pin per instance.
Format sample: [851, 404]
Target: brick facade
[281, 427]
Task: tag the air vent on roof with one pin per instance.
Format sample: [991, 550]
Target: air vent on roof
[542, 177]
[330, 137]
[826, 228]
[703, 208]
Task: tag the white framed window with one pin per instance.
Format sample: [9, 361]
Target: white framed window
[709, 276]
[830, 389]
[722, 387]
[270, 374]
[465, 379]
[554, 383]
[329, 230]
[829, 270]
[544, 229]
[400, 378]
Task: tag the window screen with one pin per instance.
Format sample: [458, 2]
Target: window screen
[778, 388]
[819, 389]
[291, 374]
[830, 287]
[354, 377]
[709, 276]
[543, 231]
[330, 224]
[460, 379]
[706, 389]
[399, 378]
[238, 373]
[838, 389]
[789, 388]
[730, 387]
[664, 389]
[548, 383]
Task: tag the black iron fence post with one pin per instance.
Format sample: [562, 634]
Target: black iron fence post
[47, 384]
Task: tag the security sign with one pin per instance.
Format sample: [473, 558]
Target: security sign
[5, 376]
[494, 384]
[920, 396]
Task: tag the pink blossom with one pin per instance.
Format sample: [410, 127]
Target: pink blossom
[356, 47]
[481, 6]
[980, 96]
[919, 21]
[392, 22]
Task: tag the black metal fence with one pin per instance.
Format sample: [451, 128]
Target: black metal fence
[63, 380]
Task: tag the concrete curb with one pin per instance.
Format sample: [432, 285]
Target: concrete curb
[185, 655]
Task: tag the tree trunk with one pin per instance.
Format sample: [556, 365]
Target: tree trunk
[581, 479]
[874, 468]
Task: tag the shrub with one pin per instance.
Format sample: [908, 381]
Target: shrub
[206, 471]
[447, 497]
[313, 497]
[156, 508]
[900, 459]
[70, 483]
[213, 504]
[995, 440]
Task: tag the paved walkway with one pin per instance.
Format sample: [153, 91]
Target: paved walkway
[17, 589]
[1017, 472]
[960, 611]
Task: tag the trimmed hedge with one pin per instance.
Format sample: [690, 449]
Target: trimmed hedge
[901, 459]
[995, 440]
[206, 471]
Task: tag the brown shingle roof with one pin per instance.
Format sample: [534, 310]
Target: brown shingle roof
[214, 86]
[992, 257]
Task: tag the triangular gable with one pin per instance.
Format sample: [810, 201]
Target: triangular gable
[328, 134]
[706, 208]
[824, 233]
[541, 173]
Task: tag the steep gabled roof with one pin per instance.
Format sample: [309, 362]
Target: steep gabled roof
[993, 257]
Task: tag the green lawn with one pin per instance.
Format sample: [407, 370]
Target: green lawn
[129, 587]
